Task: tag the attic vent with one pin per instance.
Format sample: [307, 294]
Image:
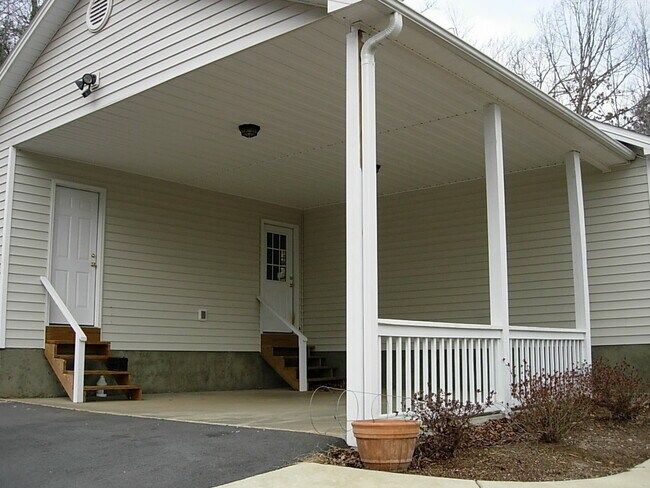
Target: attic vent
[97, 14]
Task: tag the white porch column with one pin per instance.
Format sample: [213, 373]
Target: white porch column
[579, 248]
[497, 245]
[354, 243]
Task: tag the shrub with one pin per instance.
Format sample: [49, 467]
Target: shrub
[620, 389]
[551, 405]
[445, 423]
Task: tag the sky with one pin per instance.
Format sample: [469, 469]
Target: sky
[485, 19]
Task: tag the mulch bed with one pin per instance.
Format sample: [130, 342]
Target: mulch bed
[494, 451]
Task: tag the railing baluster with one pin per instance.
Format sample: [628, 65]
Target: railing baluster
[398, 377]
[456, 387]
[450, 367]
[472, 371]
[416, 367]
[389, 375]
[409, 370]
[434, 367]
[426, 385]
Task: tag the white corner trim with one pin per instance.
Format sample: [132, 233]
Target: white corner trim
[6, 244]
[647, 173]
[101, 225]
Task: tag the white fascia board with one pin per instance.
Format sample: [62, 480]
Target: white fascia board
[47, 22]
[626, 136]
[368, 11]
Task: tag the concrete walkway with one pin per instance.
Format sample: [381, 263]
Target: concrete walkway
[321, 476]
[321, 412]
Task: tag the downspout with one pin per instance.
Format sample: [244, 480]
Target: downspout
[371, 361]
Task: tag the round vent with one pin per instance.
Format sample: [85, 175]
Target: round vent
[98, 13]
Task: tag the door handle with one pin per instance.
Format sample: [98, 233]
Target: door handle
[291, 281]
[93, 262]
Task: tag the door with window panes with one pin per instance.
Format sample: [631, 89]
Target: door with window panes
[277, 277]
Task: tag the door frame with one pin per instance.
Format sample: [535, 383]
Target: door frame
[101, 220]
[297, 284]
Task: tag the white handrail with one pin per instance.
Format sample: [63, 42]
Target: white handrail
[79, 342]
[302, 345]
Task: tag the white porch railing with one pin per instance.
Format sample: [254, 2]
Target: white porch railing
[541, 350]
[463, 359]
[302, 344]
[79, 342]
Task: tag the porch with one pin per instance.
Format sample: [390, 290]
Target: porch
[419, 213]
[321, 412]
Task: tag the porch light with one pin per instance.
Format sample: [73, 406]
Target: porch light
[249, 130]
[86, 83]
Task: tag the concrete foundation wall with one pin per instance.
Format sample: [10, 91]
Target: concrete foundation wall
[26, 373]
[637, 355]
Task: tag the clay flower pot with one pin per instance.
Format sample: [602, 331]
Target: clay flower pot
[386, 445]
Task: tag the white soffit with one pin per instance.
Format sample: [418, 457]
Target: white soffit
[430, 129]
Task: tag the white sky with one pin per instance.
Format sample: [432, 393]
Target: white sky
[485, 19]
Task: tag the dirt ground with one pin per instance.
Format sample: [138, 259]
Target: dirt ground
[492, 451]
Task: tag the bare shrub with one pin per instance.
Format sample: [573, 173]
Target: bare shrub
[620, 389]
[445, 423]
[551, 405]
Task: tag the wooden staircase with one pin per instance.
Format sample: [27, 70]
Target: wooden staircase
[59, 351]
[280, 351]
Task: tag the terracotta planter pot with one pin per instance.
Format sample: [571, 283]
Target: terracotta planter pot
[386, 445]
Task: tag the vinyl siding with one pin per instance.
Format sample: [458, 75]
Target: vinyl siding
[618, 238]
[169, 250]
[145, 43]
[433, 257]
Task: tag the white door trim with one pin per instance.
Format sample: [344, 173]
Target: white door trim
[101, 219]
[296, 265]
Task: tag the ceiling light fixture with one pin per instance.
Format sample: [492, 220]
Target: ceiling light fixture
[249, 130]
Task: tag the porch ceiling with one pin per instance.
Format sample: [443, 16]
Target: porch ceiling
[185, 130]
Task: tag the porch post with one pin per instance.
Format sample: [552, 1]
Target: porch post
[353, 237]
[497, 244]
[579, 248]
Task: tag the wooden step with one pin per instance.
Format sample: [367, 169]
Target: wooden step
[68, 342]
[66, 333]
[70, 357]
[112, 387]
[133, 392]
[100, 372]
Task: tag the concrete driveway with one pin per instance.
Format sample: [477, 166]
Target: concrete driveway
[44, 446]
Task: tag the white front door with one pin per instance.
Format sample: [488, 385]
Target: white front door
[277, 277]
[74, 253]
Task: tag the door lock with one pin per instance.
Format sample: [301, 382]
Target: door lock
[93, 262]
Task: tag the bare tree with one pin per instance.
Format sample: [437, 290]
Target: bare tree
[640, 120]
[583, 56]
[15, 17]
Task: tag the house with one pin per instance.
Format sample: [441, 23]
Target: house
[397, 195]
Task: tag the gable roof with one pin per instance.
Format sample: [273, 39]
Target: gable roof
[46, 23]
[54, 13]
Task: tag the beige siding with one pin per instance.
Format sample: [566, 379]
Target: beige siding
[433, 257]
[618, 235]
[144, 44]
[170, 249]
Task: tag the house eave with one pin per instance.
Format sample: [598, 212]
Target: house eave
[495, 70]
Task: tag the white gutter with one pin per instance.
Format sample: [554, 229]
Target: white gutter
[490, 66]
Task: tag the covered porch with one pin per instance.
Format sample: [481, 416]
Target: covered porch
[401, 212]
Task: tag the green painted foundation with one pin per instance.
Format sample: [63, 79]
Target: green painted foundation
[637, 355]
[26, 372]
